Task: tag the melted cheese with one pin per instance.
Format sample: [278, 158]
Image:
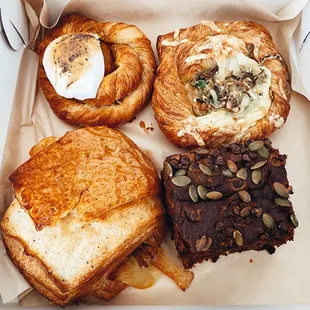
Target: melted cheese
[74, 65]
[222, 45]
[190, 128]
[251, 110]
[282, 92]
[276, 120]
[233, 66]
[257, 43]
[176, 39]
[196, 57]
[173, 43]
[212, 25]
[176, 34]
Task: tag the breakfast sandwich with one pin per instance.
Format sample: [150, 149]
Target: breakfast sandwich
[87, 218]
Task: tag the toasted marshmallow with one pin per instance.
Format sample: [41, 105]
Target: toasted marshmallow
[74, 65]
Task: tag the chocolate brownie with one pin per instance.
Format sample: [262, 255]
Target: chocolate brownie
[230, 199]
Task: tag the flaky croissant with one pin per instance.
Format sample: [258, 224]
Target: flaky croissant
[129, 73]
[220, 82]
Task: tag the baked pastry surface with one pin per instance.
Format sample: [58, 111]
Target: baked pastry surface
[90, 170]
[44, 278]
[220, 82]
[129, 73]
[68, 249]
[230, 199]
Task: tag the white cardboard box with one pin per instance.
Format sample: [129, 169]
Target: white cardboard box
[9, 64]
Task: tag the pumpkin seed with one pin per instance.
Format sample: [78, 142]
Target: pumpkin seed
[205, 169]
[263, 152]
[256, 176]
[242, 174]
[208, 244]
[202, 192]
[238, 237]
[202, 151]
[227, 173]
[180, 172]
[214, 195]
[294, 220]
[200, 243]
[268, 221]
[181, 180]
[232, 166]
[255, 145]
[245, 211]
[245, 196]
[168, 169]
[281, 190]
[193, 193]
[259, 164]
[236, 210]
[283, 202]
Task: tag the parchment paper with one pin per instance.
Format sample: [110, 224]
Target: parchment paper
[282, 278]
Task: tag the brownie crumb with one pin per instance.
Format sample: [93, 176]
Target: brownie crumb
[146, 129]
[142, 125]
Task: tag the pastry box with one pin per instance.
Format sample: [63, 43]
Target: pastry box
[248, 278]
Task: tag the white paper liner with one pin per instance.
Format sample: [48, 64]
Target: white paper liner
[279, 279]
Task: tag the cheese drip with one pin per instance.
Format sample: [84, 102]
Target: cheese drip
[254, 106]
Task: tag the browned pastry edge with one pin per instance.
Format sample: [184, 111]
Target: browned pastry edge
[171, 106]
[35, 272]
[97, 145]
[109, 289]
[88, 112]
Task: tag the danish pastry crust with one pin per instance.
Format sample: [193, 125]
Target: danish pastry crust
[186, 53]
[127, 85]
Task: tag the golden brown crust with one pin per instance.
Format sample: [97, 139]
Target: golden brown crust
[97, 284]
[123, 92]
[41, 145]
[32, 270]
[109, 289]
[114, 170]
[170, 102]
[114, 148]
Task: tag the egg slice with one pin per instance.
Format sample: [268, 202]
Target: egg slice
[74, 65]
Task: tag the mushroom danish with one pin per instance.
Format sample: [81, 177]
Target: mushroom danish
[220, 82]
[95, 73]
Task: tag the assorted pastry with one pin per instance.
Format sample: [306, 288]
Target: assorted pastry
[95, 73]
[220, 82]
[88, 217]
[228, 199]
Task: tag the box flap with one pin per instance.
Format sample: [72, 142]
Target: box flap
[15, 23]
[303, 32]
